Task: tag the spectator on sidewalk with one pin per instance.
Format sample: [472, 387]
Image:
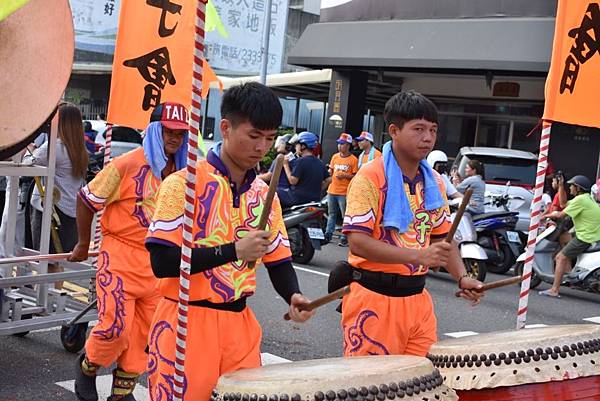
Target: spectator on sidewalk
[369, 152]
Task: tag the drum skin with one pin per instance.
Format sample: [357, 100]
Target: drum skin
[36, 53]
[555, 363]
[371, 378]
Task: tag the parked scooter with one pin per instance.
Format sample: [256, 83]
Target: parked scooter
[497, 235]
[304, 224]
[472, 254]
[585, 273]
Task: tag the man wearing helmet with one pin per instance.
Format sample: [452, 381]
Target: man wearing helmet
[438, 161]
[307, 176]
[585, 213]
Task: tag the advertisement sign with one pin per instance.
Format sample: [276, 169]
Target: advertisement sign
[233, 41]
[95, 24]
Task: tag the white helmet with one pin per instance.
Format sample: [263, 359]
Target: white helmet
[436, 156]
[596, 190]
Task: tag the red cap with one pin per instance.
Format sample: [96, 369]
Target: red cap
[174, 116]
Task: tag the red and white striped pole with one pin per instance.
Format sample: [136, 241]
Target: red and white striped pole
[536, 210]
[188, 215]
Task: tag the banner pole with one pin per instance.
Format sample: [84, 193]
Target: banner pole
[535, 212]
[188, 216]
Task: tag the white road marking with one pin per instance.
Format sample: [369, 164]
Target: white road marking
[104, 382]
[460, 334]
[311, 271]
[535, 326]
[595, 319]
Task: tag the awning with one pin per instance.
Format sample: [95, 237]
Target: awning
[312, 84]
[498, 44]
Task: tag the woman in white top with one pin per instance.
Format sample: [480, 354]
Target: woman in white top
[70, 173]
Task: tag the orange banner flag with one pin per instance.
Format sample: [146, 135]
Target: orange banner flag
[153, 59]
[573, 84]
[208, 76]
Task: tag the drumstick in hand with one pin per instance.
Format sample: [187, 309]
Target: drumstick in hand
[459, 214]
[264, 216]
[322, 301]
[495, 284]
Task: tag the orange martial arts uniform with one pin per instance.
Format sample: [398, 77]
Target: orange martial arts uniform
[125, 284]
[218, 341]
[376, 324]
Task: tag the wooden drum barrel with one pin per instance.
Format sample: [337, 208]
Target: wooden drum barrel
[555, 363]
[368, 378]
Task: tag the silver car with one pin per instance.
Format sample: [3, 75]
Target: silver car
[507, 172]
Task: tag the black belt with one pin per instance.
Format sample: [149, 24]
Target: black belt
[236, 306]
[389, 284]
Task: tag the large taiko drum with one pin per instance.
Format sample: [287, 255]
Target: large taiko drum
[368, 378]
[36, 56]
[546, 364]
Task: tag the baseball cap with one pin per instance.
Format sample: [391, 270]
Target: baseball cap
[365, 135]
[171, 115]
[344, 138]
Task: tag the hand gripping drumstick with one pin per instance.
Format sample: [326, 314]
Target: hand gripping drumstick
[495, 284]
[264, 216]
[322, 301]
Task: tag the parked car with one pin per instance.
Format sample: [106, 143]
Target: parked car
[507, 172]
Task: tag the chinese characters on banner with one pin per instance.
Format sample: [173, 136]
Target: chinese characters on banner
[244, 20]
[153, 59]
[573, 85]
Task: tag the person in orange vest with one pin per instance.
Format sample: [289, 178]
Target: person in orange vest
[223, 334]
[369, 152]
[126, 189]
[342, 167]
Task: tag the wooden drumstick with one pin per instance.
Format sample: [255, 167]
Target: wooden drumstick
[264, 216]
[322, 301]
[459, 214]
[495, 284]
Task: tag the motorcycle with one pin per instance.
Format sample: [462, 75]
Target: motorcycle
[585, 273]
[304, 224]
[498, 237]
[472, 254]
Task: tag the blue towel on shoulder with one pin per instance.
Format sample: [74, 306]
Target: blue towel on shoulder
[397, 213]
[154, 150]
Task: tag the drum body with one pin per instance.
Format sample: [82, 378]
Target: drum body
[343, 379]
[555, 363]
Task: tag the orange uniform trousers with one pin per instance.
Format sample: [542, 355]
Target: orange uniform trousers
[375, 324]
[218, 342]
[127, 298]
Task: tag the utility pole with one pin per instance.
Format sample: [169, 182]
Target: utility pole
[265, 44]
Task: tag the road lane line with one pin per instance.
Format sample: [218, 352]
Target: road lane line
[595, 319]
[535, 326]
[304, 269]
[459, 334]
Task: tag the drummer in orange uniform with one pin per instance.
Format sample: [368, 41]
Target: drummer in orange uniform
[126, 286]
[223, 334]
[388, 311]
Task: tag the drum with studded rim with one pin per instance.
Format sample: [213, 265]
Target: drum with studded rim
[554, 363]
[368, 378]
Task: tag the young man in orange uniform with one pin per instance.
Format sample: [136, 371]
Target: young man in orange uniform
[342, 167]
[396, 220]
[126, 287]
[222, 333]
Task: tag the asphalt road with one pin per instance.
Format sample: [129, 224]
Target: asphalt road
[31, 366]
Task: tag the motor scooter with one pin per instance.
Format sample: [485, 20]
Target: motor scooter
[585, 273]
[472, 254]
[304, 224]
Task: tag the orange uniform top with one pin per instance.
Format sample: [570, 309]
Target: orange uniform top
[365, 157]
[341, 164]
[127, 189]
[222, 214]
[364, 214]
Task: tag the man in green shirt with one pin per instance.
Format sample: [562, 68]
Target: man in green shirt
[585, 213]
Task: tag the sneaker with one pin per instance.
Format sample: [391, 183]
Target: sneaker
[343, 242]
[327, 239]
[85, 386]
